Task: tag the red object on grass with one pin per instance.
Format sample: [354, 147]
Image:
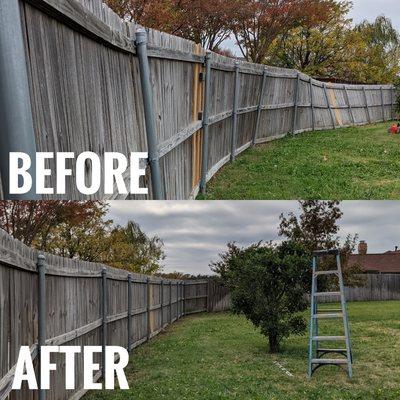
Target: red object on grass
[394, 130]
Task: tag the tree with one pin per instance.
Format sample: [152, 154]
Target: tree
[131, 249]
[268, 285]
[204, 21]
[317, 228]
[317, 46]
[332, 49]
[259, 22]
[85, 239]
[33, 222]
[81, 230]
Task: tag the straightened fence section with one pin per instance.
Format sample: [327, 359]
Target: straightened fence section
[56, 301]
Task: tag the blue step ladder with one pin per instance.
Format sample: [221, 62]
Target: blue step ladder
[316, 355]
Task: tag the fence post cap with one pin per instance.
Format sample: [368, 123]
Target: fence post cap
[141, 36]
[41, 261]
[103, 270]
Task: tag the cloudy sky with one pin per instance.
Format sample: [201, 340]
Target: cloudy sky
[195, 232]
[362, 9]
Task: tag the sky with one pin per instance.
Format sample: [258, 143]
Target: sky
[194, 233]
[362, 9]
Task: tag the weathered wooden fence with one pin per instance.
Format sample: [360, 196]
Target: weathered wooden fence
[378, 287]
[86, 95]
[136, 309]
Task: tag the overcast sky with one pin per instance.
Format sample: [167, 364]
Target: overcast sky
[362, 9]
[195, 232]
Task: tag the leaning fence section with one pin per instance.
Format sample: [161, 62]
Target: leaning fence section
[58, 301]
[87, 91]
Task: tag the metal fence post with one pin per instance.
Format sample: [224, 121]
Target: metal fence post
[148, 308]
[177, 300]
[129, 311]
[104, 320]
[262, 92]
[41, 268]
[366, 104]
[349, 104]
[141, 48]
[206, 125]
[383, 105]
[329, 106]
[170, 302]
[162, 304]
[184, 297]
[296, 104]
[235, 111]
[312, 104]
[15, 105]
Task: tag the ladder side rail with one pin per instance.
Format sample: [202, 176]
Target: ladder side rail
[345, 318]
[310, 346]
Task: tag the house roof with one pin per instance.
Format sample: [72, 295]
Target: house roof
[388, 262]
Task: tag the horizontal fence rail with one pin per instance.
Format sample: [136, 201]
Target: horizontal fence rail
[49, 300]
[86, 82]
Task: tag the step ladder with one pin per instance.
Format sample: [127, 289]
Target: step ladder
[316, 356]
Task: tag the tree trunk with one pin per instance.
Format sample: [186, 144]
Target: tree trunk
[273, 343]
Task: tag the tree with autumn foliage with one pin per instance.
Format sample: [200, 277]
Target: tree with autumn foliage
[131, 249]
[81, 230]
[259, 22]
[207, 22]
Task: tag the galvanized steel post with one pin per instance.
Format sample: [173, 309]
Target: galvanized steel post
[206, 124]
[170, 302]
[104, 320]
[162, 304]
[148, 309]
[184, 297]
[259, 108]
[296, 101]
[17, 132]
[129, 311]
[312, 104]
[141, 48]
[41, 268]
[235, 111]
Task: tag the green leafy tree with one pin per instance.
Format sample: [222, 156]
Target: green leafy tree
[268, 285]
[316, 228]
[131, 249]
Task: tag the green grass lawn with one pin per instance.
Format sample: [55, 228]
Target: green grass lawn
[345, 164]
[221, 356]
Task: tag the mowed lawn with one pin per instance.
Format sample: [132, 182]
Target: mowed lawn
[344, 164]
[221, 356]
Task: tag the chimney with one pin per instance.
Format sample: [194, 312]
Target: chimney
[362, 247]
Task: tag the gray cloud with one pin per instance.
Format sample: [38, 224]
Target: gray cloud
[195, 232]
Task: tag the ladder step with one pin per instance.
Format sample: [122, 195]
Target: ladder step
[334, 361]
[332, 350]
[329, 310]
[327, 294]
[328, 338]
[328, 315]
[331, 272]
